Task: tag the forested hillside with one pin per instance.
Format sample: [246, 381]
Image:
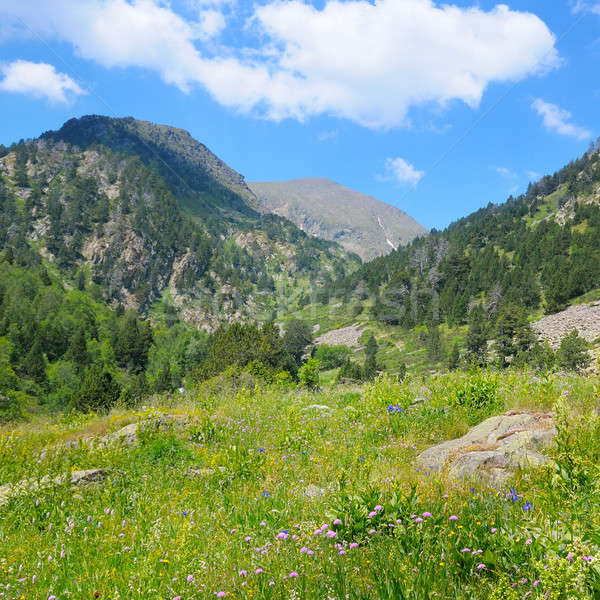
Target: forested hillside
[494, 269]
[143, 211]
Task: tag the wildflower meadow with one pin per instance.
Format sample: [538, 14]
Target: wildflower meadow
[282, 493]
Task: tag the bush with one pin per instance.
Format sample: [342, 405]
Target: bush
[331, 357]
[99, 391]
[477, 392]
[308, 374]
[572, 354]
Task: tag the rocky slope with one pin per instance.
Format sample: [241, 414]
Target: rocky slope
[328, 210]
[143, 211]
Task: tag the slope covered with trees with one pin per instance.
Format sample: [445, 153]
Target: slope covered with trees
[143, 210]
[495, 268]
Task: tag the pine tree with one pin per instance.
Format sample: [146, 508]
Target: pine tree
[98, 392]
[34, 364]
[77, 351]
[477, 337]
[454, 357]
[370, 368]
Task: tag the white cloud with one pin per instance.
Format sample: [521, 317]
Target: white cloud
[580, 6]
[533, 175]
[211, 23]
[558, 119]
[504, 172]
[359, 60]
[402, 172]
[39, 80]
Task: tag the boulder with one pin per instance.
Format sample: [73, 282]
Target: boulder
[494, 449]
[28, 486]
[128, 435]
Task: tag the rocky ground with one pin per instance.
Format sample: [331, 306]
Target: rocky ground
[584, 317]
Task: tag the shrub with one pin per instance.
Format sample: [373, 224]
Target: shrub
[477, 392]
[308, 375]
[331, 357]
[572, 354]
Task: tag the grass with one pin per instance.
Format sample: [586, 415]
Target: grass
[279, 504]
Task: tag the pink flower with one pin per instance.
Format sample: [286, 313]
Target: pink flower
[331, 534]
[453, 518]
[371, 531]
[372, 514]
[418, 520]
[494, 530]
[353, 545]
[466, 550]
[221, 594]
[337, 522]
[342, 552]
[536, 583]
[481, 566]
[529, 542]
[427, 514]
[247, 538]
[177, 598]
[378, 508]
[242, 572]
[232, 531]
[263, 524]
[258, 571]
[304, 549]
[293, 574]
[190, 578]
[310, 552]
[282, 535]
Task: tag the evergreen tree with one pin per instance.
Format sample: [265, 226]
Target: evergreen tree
[297, 336]
[477, 337]
[77, 351]
[434, 343]
[454, 357]
[34, 365]
[370, 368]
[572, 354]
[99, 391]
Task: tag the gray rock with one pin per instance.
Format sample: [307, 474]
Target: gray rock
[128, 435]
[28, 486]
[494, 449]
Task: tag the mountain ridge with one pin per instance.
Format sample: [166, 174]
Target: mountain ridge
[326, 209]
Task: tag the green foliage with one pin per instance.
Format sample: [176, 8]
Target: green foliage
[572, 354]
[370, 368]
[99, 392]
[308, 374]
[350, 371]
[331, 357]
[239, 345]
[297, 337]
[454, 356]
[477, 392]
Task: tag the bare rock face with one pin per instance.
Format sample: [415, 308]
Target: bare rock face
[29, 486]
[493, 449]
[584, 317]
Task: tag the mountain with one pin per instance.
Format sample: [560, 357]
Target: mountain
[494, 270]
[144, 212]
[325, 209]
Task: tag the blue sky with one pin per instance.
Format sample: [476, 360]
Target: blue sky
[379, 96]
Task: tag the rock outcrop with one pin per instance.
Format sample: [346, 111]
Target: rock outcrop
[29, 486]
[494, 449]
[128, 435]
